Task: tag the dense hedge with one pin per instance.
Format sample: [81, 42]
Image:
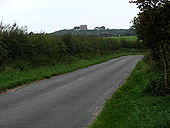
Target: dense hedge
[19, 49]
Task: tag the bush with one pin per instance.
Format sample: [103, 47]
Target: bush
[155, 71]
[156, 84]
[33, 50]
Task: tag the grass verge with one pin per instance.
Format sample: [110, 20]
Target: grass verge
[131, 107]
[11, 77]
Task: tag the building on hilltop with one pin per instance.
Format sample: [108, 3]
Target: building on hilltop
[83, 27]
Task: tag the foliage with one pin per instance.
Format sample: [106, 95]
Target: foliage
[156, 84]
[19, 49]
[21, 52]
[153, 27]
[13, 42]
[12, 77]
[156, 78]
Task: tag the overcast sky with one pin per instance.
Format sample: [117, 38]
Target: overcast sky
[52, 15]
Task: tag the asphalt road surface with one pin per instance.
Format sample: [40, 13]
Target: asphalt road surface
[65, 101]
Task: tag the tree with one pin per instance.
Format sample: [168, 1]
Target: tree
[76, 28]
[102, 28]
[31, 33]
[153, 27]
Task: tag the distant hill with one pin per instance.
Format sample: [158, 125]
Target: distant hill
[103, 33]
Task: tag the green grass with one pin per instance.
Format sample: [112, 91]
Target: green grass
[130, 107]
[11, 77]
[128, 38]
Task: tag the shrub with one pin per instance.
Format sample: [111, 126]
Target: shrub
[32, 50]
[156, 84]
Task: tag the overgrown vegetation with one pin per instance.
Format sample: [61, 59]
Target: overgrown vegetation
[156, 77]
[12, 77]
[152, 26]
[21, 52]
[132, 107]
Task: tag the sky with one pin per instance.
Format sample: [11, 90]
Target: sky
[52, 15]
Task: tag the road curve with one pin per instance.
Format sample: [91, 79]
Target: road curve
[65, 101]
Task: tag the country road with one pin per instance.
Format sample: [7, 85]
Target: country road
[65, 101]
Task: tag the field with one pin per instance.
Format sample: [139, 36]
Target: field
[129, 38]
